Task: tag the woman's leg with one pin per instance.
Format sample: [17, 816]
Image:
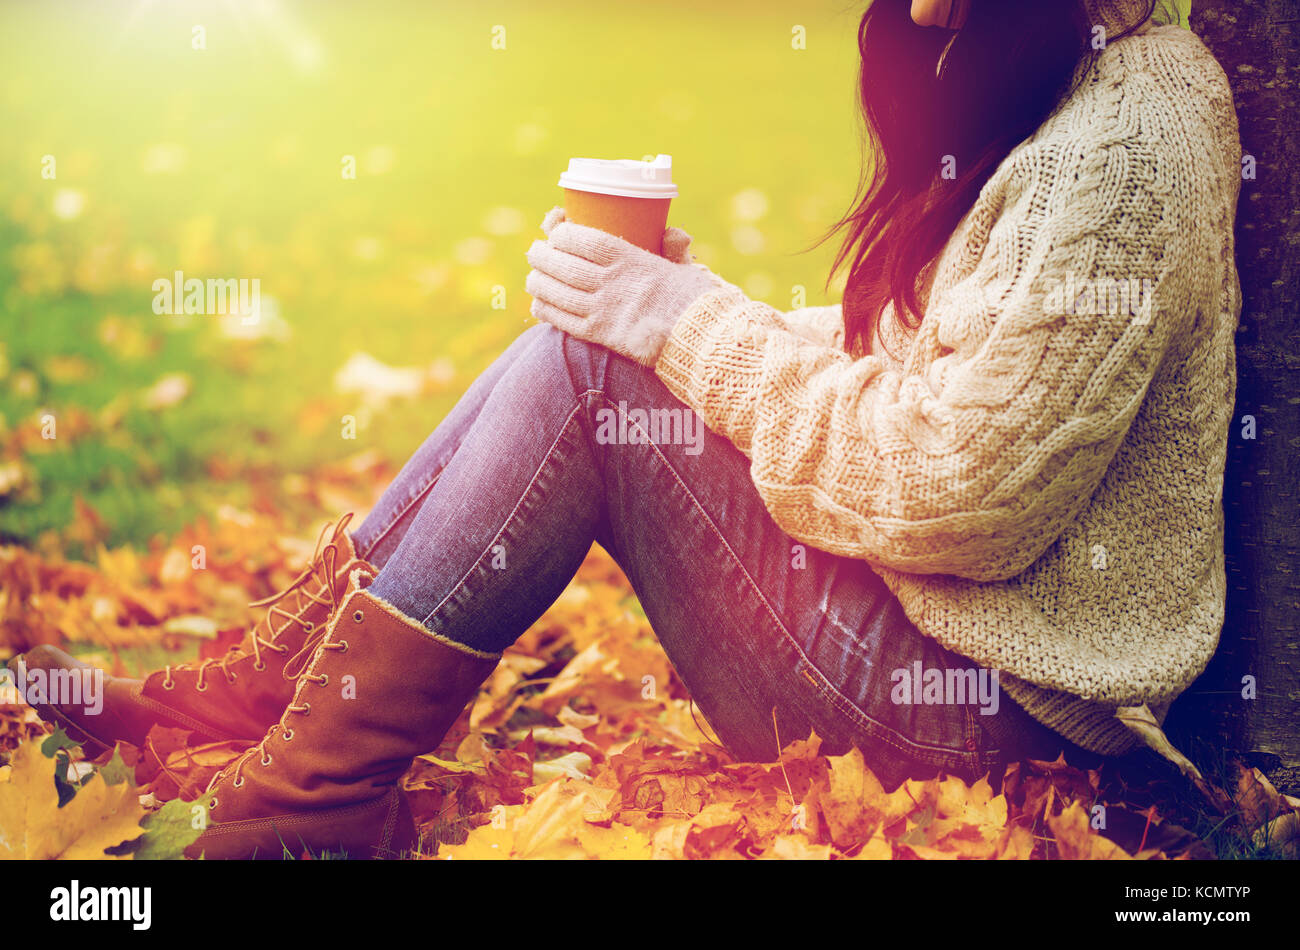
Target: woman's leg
[757, 626]
[382, 530]
[229, 699]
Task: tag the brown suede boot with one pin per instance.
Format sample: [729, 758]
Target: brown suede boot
[380, 690]
[236, 697]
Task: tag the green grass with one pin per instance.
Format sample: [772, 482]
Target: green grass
[225, 163]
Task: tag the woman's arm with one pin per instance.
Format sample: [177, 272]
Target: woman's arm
[972, 459]
[823, 325]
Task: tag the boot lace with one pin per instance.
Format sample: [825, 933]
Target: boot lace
[300, 665]
[323, 567]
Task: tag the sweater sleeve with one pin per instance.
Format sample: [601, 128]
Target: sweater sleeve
[824, 325]
[1017, 391]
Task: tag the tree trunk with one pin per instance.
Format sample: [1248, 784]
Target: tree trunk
[1258, 44]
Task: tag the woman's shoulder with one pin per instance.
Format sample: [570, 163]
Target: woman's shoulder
[1160, 96]
[1169, 70]
[1174, 56]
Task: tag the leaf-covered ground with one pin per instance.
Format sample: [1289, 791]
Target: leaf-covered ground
[583, 743]
[130, 437]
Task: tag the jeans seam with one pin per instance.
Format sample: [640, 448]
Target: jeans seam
[424, 488]
[973, 743]
[929, 754]
[837, 700]
[510, 517]
[401, 512]
[989, 749]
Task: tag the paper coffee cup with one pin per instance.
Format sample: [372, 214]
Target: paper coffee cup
[623, 197]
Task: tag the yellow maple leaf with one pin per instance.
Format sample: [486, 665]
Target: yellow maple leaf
[553, 826]
[668, 843]
[617, 842]
[32, 825]
[972, 804]
[971, 819]
[855, 801]
[1076, 840]
[796, 848]
[876, 849]
[572, 677]
[485, 843]
[545, 828]
[1016, 844]
[925, 853]
[713, 831]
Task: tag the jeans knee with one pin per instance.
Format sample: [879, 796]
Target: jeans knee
[593, 367]
[582, 361]
[530, 338]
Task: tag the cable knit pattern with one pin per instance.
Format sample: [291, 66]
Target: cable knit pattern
[1040, 488]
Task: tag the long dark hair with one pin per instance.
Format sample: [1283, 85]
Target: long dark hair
[936, 140]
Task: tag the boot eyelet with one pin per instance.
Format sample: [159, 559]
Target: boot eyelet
[168, 685]
[238, 783]
[212, 805]
[324, 679]
[343, 646]
[266, 760]
[309, 626]
[232, 678]
[288, 735]
[358, 616]
[306, 709]
[201, 688]
[259, 666]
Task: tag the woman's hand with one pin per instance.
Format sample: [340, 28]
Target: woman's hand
[603, 289]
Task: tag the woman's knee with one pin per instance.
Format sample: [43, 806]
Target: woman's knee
[586, 364]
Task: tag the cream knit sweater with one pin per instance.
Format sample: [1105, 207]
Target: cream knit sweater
[1039, 484]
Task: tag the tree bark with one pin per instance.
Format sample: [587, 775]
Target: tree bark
[1258, 44]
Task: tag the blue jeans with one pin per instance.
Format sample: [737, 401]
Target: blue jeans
[548, 451]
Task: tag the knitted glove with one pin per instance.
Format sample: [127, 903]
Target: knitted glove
[603, 289]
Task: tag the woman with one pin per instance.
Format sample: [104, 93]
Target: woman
[956, 521]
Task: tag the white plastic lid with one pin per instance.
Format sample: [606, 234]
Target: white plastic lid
[624, 177]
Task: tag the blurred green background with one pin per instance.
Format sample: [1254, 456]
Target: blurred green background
[227, 162]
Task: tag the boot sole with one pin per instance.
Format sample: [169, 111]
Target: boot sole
[74, 732]
[93, 743]
[251, 838]
[149, 710]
